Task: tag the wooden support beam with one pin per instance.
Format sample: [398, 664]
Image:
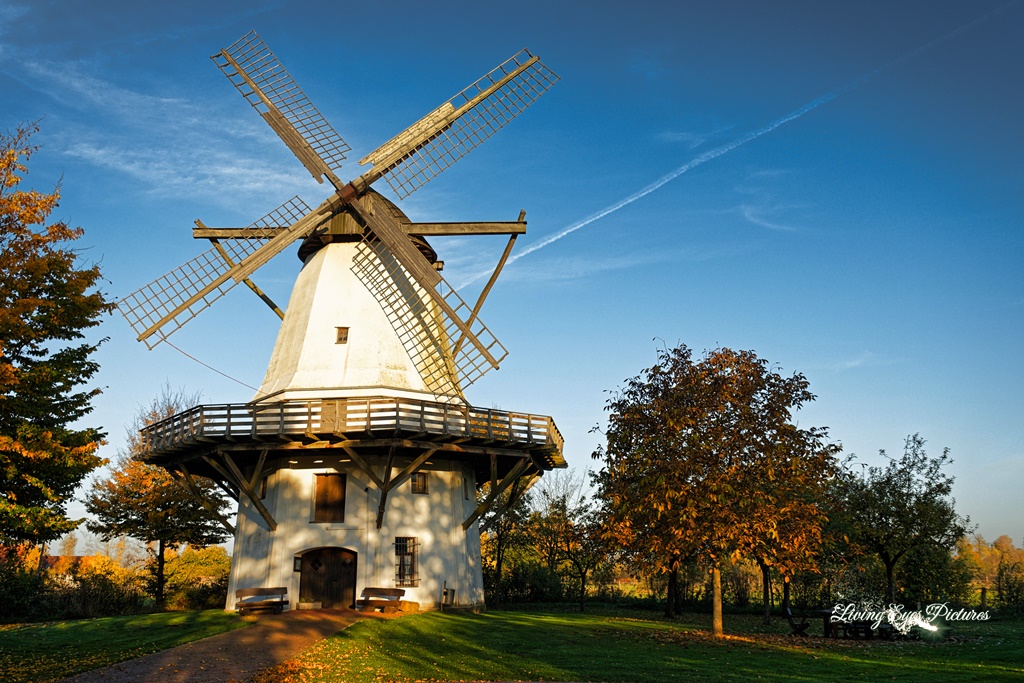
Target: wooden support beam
[412, 468]
[487, 288]
[496, 491]
[258, 470]
[463, 448]
[248, 283]
[386, 488]
[235, 490]
[251, 494]
[443, 229]
[184, 478]
[519, 489]
[364, 466]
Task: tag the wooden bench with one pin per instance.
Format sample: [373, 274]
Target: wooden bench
[799, 629]
[385, 599]
[272, 599]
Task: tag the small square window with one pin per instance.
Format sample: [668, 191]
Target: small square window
[419, 482]
[342, 335]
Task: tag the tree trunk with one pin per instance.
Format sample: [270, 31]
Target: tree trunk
[583, 588]
[716, 608]
[766, 591]
[41, 564]
[498, 557]
[673, 580]
[678, 598]
[785, 592]
[890, 584]
[160, 574]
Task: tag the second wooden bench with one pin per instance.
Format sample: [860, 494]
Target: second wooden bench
[384, 599]
[275, 604]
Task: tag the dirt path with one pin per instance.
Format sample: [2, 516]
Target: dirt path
[232, 657]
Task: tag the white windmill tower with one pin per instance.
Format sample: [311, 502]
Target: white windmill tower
[357, 462]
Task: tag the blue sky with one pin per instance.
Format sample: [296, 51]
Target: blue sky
[872, 243]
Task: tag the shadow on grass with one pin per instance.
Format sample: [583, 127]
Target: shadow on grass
[549, 646]
[54, 650]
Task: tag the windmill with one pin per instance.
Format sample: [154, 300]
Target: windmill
[406, 162]
[352, 422]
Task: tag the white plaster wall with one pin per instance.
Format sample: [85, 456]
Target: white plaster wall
[307, 361]
[446, 553]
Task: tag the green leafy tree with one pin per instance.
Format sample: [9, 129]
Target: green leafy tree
[584, 548]
[144, 502]
[47, 301]
[904, 506]
[197, 578]
[566, 531]
[689, 447]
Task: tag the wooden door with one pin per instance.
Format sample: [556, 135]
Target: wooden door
[328, 576]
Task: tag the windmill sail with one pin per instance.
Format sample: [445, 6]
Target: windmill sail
[266, 85]
[160, 308]
[452, 309]
[427, 331]
[435, 142]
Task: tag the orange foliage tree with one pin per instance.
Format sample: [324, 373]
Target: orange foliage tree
[143, 501]
[47, 300]
[703, 460]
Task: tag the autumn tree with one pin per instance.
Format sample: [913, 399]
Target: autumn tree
[48, 299]
[143, 501]
[906, 505]
[504, 530]
[690, 445]
[793, 483]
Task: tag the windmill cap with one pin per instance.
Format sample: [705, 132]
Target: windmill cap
[344, 227]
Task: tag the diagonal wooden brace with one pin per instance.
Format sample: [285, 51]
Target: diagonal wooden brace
[184, 478]
[496, 491]
[243, 487]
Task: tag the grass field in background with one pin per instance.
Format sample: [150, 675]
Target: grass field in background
[609, 646]
[55, 650]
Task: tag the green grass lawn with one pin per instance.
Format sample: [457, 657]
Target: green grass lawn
[606, 646]
[55, 650]
[602, 645]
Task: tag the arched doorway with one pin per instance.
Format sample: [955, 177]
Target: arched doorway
[328, 576]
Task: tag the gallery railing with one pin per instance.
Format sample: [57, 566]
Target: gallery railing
[348, 417]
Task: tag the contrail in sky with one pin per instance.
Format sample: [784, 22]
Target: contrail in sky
[739, 142]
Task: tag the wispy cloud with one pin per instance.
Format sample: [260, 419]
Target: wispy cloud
[757, 216]
[172, 145]
[574, 267]
[9, 12]
[72, 84]
[864, 359]
[692, 139]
